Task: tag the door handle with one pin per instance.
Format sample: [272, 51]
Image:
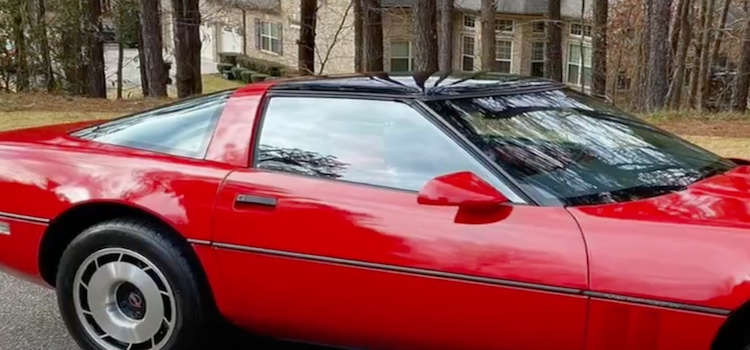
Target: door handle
[247, 199]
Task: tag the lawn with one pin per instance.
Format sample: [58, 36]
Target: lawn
[29, 110]
[211, 82]
[725, 134]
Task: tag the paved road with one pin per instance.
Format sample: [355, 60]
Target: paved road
[29, 321]
[29, 317]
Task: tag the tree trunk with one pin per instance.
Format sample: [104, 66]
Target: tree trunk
[373, 36]
[739, 100]
[49, 75]
[658, 62]
[358, 35]
[488, 54]
[19, 38]
[142, 60]
[718, 37]
[97, 83]
[187, 47]
[695, 76]
[445, 35]
[599, 49]
[244, 32]
[425, 32]
[153, 58]
[72, 61]
[120, 54]
[674, 37]
[644, 48]
[581, 47]
[306, 43]
[678, 77]
[554, 41]
[705, 68]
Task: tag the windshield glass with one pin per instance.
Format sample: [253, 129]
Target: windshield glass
[567, 148]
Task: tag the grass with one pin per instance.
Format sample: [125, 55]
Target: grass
[19, 111]
[28, 119]
[211, 83]
[724, 146]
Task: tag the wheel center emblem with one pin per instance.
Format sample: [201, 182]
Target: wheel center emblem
[135, 300]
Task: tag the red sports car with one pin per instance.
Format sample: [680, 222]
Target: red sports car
[383, 212]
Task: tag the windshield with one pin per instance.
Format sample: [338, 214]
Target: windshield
[567, 148]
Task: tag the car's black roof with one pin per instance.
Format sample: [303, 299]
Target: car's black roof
[418, 84]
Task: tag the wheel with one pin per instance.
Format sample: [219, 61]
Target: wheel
[125, 285]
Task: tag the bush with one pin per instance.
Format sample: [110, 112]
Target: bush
[229, 57]
[265, 66]
[256, 77]
[224, 67]
[246, 76]
[235, 73]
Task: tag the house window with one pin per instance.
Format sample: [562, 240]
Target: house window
[537, 59]
[578, 29]
[503, 55]
[467, 53]
[295, 20]
[579, 65]
[539, 27]
[469, 21]
[504, 25]
[270, 37]
[402, 59]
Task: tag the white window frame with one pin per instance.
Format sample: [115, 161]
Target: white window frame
[543, 61]
[512, 26]
[583, 30]
[473, 55]
[409, 57]
[266, 26]
[509, 60]
[473, 21]
[295, 21]
[581, 64]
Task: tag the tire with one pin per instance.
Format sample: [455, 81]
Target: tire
[146, 280]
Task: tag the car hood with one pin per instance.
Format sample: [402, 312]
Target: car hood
[721, 200]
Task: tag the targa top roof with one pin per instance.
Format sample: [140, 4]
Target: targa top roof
[417, 84]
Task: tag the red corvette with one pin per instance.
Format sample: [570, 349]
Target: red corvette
[382, 212]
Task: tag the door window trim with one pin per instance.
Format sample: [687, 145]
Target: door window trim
[512, 191]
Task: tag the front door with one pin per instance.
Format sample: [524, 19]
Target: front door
[322, 240]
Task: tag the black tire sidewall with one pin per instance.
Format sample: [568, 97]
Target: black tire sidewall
[150, 243]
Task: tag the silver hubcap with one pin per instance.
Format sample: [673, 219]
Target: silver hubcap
[123, 301]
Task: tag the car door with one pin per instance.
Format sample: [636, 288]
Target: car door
[322, 239]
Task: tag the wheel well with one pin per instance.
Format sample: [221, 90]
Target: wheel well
[733, 333]
[65, 227]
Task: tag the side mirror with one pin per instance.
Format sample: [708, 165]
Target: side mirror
[462, 189]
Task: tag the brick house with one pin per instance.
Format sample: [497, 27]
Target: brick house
[519, 34]
[269, 29]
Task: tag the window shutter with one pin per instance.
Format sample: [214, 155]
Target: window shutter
[281, 39]
[257, 33]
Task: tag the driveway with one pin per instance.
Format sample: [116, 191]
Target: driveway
[30, 321]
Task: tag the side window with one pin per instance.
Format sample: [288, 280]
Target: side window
[383, 143]
[181, 129]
